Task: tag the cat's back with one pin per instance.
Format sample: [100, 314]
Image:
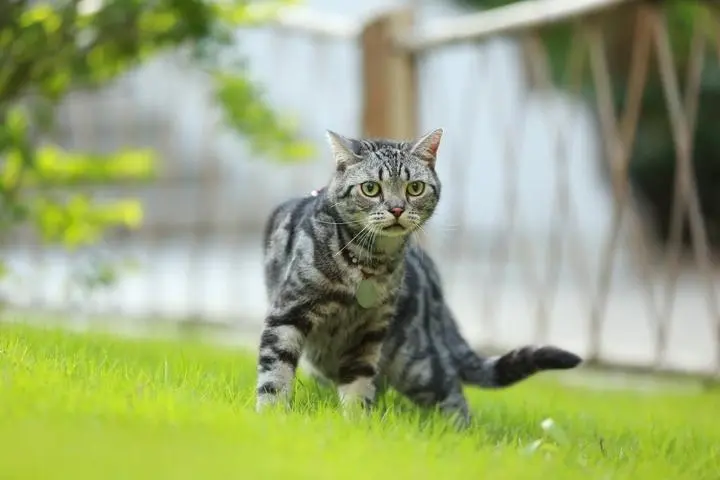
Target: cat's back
[281, 232]
[285, 218]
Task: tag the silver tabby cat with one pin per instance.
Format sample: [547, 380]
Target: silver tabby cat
[351, 291]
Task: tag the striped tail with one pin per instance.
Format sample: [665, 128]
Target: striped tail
[514, 366]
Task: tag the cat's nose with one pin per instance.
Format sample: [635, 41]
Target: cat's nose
[397, 211]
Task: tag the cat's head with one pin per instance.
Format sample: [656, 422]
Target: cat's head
[388, 187]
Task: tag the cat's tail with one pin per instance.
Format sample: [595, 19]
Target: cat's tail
[514, 366]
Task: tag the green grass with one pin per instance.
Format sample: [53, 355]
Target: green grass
[80, 406]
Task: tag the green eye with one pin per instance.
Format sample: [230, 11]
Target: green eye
[370, 189]
[415, 188]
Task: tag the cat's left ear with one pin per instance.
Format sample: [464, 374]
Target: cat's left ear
[345, 150]
[427, 146]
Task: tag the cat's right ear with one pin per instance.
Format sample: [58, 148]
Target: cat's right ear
[344, 150]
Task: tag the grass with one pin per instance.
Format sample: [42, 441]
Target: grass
[78, 406]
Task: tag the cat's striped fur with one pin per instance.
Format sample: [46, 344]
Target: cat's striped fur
[320, 247]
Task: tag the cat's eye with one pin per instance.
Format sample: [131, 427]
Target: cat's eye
[370, 189]
[415, 188]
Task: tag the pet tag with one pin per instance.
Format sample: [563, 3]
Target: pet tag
[367, 294]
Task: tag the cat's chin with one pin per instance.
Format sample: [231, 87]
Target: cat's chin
[394, 231]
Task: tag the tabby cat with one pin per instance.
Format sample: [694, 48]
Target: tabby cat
[351, 291]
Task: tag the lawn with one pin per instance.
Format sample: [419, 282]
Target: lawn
[78, 406]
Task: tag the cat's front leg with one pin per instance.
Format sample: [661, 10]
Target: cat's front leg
[281, 344]
[359, 368]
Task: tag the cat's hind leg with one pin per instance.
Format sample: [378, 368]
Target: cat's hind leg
[429, 382]
[455, 406]
[450, 401]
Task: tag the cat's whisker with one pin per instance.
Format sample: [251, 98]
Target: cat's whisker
[331, 207]
[340, 223]
[365, 242]
[418, 226]
[446, 228]
[370, 240]
[438, 232]
[351, 240]
[435, 223]
[371, 243]
[442, 228]
[361, 241]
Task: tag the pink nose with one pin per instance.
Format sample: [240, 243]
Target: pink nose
[396, 211]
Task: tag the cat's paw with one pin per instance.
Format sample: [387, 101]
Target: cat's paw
[270, 401]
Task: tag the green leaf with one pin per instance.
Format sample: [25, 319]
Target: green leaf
[246, 111]
[57, 167]
[79, 221]
[12, 168]
[41, 14]
[48, 49]
[16, 122]
[250, 13]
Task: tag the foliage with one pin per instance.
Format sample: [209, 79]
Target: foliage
[49, 49]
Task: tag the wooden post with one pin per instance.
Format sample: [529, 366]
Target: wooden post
[389, 78]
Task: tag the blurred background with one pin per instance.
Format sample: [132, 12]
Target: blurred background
[144, 143]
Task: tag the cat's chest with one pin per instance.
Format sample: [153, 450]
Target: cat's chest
[367, 300]
[383, 282]
[368, 307]
[331, 338]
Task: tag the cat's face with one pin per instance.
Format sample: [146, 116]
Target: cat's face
[387, 188]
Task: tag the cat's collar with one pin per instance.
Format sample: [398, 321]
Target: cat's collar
[366, 270]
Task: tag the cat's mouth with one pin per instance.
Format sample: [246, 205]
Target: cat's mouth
[394, 230]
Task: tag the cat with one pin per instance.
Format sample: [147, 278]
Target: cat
[351, 290]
